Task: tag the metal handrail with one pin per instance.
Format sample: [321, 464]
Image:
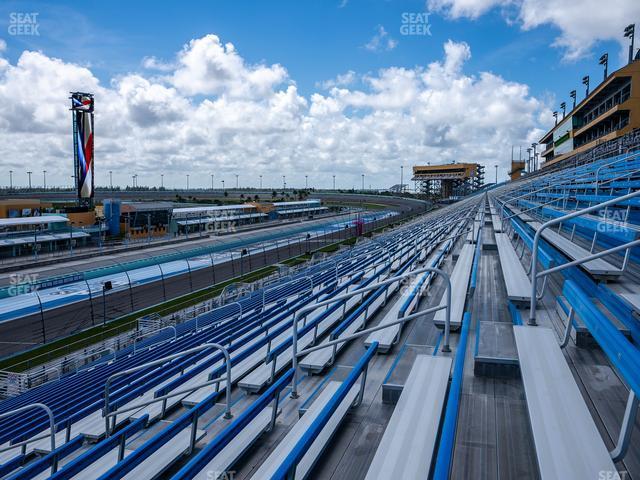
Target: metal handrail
[536, 241]
[303, 311]
[528, 209]
[107, 413]
[52, 430]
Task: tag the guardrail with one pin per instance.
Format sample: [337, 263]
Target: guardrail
[107, 413]
[303, 311]
[51, 434]
[535, 275]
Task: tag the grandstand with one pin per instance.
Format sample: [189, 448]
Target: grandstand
[496, 337]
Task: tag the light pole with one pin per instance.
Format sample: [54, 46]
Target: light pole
[187, 181]
[401, 177]
[534, 145]
[44, 179]
[563, 106]
[284, 182]
[334, 183]
[10, 179]
[363, 182]
[604, 61]
[110, 179]
[222, 185]
[306, 182]
[29, 173]
[572, 94]
[630, 32]
[162, 180]
[212, 181]
[496, 174]
[585, 82]
[237, 182]
[260, 182]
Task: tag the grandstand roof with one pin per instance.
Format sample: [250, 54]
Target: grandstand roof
[41, 220]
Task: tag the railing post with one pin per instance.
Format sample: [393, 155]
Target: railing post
[107, 407]
[303, 311]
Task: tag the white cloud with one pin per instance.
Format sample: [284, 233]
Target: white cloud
[342, 80]
[381, 41]
[251, 120]
[207, 67]
[581, 23]
[3, 45]
[152, 63]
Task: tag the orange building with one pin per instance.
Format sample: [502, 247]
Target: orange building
[610, 111]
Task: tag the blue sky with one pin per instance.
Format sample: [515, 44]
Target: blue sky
[394, 112]
[314, 40]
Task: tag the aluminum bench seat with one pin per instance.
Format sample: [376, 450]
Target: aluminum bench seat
[408, 443]
[97, 468]
[568, 444]
[525, 217]
[459, 284]
[516, 279]
[271, 464]
[388, 336]
[317, 361]
[223, 462]
[497, 223]
[164, 457]
[598, 268]
[629, 292]
[259, 377]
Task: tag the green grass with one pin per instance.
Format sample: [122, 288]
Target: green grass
[58, 348]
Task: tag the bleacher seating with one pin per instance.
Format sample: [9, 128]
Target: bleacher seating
[169, 419]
